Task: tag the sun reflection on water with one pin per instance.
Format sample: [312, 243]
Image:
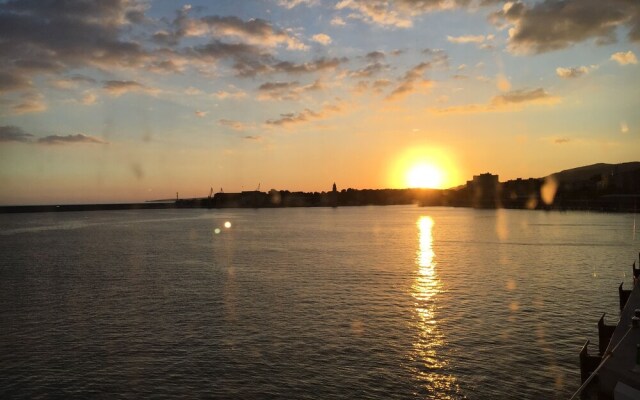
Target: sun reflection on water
[431, 366]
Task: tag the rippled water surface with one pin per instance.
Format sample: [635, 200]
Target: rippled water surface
[369, 302]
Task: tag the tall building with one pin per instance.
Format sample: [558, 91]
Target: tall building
[486, 190]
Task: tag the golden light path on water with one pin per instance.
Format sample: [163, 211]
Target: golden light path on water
[425, 290]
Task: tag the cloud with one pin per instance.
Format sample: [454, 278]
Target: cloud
[303, 116]
[10, 133]
[539, 96]
[88, 98]
[30, 102]
[480, 40]
[118, 88]
[254, 31]
[624, 58]
[573, 72]
[191, 91]
[232, 93]
[251, 137]
[553, 25]
[70, 139]
[398, 13]
[10, 81]
[437, 57]
[235, 125]
[515, 100]
[411, 81]
[289, 4]
[561, 140]
[337, 21]
[286, 90]
[321, 64]
[49, 36]
[321, 38]
[201, 114]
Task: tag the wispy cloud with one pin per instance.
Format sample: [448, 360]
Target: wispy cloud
[398, 13]
[118, 88]
[235, 125]
[30, 102]
[252, 137]
[286, 90]
[539, 96]
[412, 81]
[514, 100]
[232, 93]
[289, 4]
[304, 116]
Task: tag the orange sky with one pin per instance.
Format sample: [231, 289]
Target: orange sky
[300, 94]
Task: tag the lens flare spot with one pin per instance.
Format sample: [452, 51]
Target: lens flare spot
[227, 224]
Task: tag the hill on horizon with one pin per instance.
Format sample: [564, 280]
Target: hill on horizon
[588, 171]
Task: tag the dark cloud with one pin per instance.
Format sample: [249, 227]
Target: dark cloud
[522, 96]
[562, 140]
[437, 57]
[286, 90]
[320, 64]
[303, 116]
[50, 37]
[556, 24]
[107, 11]
[265, 64]
[375, 56]
[119, 85]
[10, 133]
[70, 139]
[118, 88]
[254, 31]
[10, 82]
[370, 70]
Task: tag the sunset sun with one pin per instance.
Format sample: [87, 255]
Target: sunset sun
[425, 176]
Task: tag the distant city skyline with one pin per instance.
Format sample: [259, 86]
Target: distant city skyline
[128, 100]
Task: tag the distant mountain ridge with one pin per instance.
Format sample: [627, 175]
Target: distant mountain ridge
[589, 171]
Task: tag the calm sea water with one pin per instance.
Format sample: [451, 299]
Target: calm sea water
[351, 303]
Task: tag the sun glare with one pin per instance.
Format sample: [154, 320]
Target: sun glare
[425, 176]
[424, 167]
